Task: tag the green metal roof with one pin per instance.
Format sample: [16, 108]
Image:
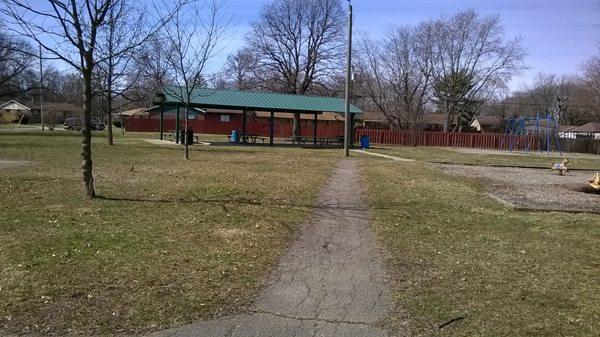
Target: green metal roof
[234, 99]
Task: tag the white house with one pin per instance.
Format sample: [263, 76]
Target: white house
[14, 112]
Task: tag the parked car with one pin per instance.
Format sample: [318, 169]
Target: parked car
[97, 124]
[73, 124]
[77, 124]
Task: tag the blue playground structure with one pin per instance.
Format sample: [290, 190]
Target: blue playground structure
[531, 134]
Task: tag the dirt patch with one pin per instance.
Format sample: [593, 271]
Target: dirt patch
[537, 189]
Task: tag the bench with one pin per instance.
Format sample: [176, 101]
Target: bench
[251, 139]
[172, 136]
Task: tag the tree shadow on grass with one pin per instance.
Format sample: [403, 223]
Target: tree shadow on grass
[224, 202]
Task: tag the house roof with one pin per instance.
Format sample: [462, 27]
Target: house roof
[591, 127]
[134, 112]
[566, 128]
[489, 120]
[58, 107]
[377, 116]
[258, 101]
[434, 119]
[14, 102]
[374, 116]
[325, 116]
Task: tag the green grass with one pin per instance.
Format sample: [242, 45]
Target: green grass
[435, 154]
[454, 252]
[168, 242]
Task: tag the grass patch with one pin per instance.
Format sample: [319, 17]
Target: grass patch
[454, 252]
[436, 154]
[168, 242]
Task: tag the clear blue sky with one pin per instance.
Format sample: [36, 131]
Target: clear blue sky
[559, 34]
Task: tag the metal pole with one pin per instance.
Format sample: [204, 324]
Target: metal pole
[348, 85]
[177, 126]
[41, 90]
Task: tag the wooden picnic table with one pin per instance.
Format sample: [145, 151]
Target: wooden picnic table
[172, 136]
[248, 138]
[320, 141]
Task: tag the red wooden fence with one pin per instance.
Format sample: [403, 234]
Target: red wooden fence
[448, 139]
[377, 136]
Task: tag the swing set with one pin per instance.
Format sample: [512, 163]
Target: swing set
[530, 134]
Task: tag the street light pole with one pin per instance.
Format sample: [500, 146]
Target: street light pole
[348, 84]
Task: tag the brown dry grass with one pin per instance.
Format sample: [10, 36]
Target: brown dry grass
[168, 242]
[456, 253]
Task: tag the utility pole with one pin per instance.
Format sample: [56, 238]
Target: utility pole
[348, 85]
[41, 90]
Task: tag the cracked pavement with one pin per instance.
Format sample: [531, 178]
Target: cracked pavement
[330, 282]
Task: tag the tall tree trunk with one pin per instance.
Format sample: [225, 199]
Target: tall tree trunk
[449, 118]
[109, 126]
[297, 129]
[185, 133]
[110, 74]
[86, 144]
[109, 105]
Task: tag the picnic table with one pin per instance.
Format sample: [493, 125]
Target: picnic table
[320, 141]
[248, 138]
[172, 136]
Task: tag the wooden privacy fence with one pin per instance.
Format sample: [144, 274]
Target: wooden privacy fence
[448, 139]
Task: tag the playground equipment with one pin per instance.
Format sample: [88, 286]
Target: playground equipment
[561, 167]
[595, 182]
[530, 133]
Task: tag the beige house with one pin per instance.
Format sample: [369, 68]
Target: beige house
[487, 124]
[14, 112]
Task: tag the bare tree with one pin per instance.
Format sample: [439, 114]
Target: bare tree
[298, 44]
[468, 45]
[16, 57]
[149, 72]
[395, 74]
[193, 38]
[126, 29]
[69, 31]
[591, 73]
[240, 70]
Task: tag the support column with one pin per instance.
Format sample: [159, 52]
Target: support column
[177, 126]
[352, 133]
[271, 128]
[315, 128]
[161, 121]
[244, 113]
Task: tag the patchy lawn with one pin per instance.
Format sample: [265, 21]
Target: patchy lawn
[464, 156]
[459, 258]
[168, 242]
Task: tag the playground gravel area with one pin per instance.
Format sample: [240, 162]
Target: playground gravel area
[535, 189]
[523, 153]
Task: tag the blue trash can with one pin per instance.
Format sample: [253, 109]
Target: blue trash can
[364, 142]
[235, 136]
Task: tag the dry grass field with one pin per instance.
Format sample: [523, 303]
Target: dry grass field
[167, 242]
